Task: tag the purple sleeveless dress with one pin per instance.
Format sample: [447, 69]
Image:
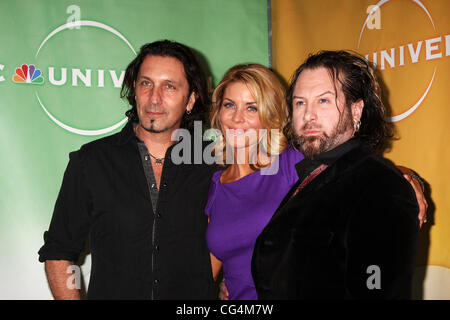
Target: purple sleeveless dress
[238, 213]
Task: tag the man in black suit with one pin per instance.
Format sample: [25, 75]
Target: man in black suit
[348, 229]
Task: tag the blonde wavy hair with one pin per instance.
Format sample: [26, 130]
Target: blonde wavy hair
[273, 112]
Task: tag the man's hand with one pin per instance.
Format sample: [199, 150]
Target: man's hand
[421, 201]
[57, 277]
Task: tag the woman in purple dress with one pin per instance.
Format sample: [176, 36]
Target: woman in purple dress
[249, 108]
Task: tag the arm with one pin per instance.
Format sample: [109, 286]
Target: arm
[216, 266]
[69, 228]
[412, 178]
[57, 276]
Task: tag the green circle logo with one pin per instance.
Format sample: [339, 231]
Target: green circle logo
[85, 69]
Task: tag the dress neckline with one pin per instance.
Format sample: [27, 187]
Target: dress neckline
[235, 181]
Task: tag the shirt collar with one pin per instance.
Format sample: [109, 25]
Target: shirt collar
[127, 133]
[306, 166]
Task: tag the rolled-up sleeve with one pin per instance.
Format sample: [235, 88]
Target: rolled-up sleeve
[70, 223]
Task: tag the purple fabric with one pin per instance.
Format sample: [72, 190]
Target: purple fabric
[238, 213]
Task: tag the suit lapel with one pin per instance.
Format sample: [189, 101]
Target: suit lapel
[341, 167]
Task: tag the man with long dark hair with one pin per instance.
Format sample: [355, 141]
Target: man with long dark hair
[348, 229]
[143, 214]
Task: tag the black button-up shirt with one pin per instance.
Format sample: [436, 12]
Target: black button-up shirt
[137, 251]
[148, 171]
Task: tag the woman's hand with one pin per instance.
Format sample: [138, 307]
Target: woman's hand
[413, 179]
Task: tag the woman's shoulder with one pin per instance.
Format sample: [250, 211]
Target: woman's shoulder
[216, 175]
[286, 164]
[291, 155]
[285, 160]
[215, 182]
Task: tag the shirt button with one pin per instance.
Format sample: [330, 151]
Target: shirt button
[156, 281]
[156, 247]
[158, 215]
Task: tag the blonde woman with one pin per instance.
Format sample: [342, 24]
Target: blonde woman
[249, 108]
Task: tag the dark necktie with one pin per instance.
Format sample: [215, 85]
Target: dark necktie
[309, 178]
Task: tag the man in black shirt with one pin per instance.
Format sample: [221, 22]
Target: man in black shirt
[143, 213]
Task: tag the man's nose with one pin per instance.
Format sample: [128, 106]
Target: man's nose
[310, 113]
[155, 95]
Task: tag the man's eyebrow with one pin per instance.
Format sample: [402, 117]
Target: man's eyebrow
[148, 78]
[140, 77]
[319, 95]
[171, 81]
[326, 92]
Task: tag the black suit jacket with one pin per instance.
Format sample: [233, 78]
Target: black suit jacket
[328, 240]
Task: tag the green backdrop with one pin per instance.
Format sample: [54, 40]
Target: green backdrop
[66, 94]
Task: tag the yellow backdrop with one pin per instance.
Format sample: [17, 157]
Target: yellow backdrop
[410, 42]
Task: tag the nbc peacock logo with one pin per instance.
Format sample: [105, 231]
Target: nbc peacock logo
[28, 74]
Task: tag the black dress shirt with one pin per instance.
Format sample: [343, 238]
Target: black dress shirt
[137, 251]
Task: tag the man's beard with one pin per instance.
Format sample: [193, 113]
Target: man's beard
[312, 146]
[151, 128]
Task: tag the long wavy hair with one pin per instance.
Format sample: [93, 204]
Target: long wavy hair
[269, 94]
[358, 82]
[194, 75]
